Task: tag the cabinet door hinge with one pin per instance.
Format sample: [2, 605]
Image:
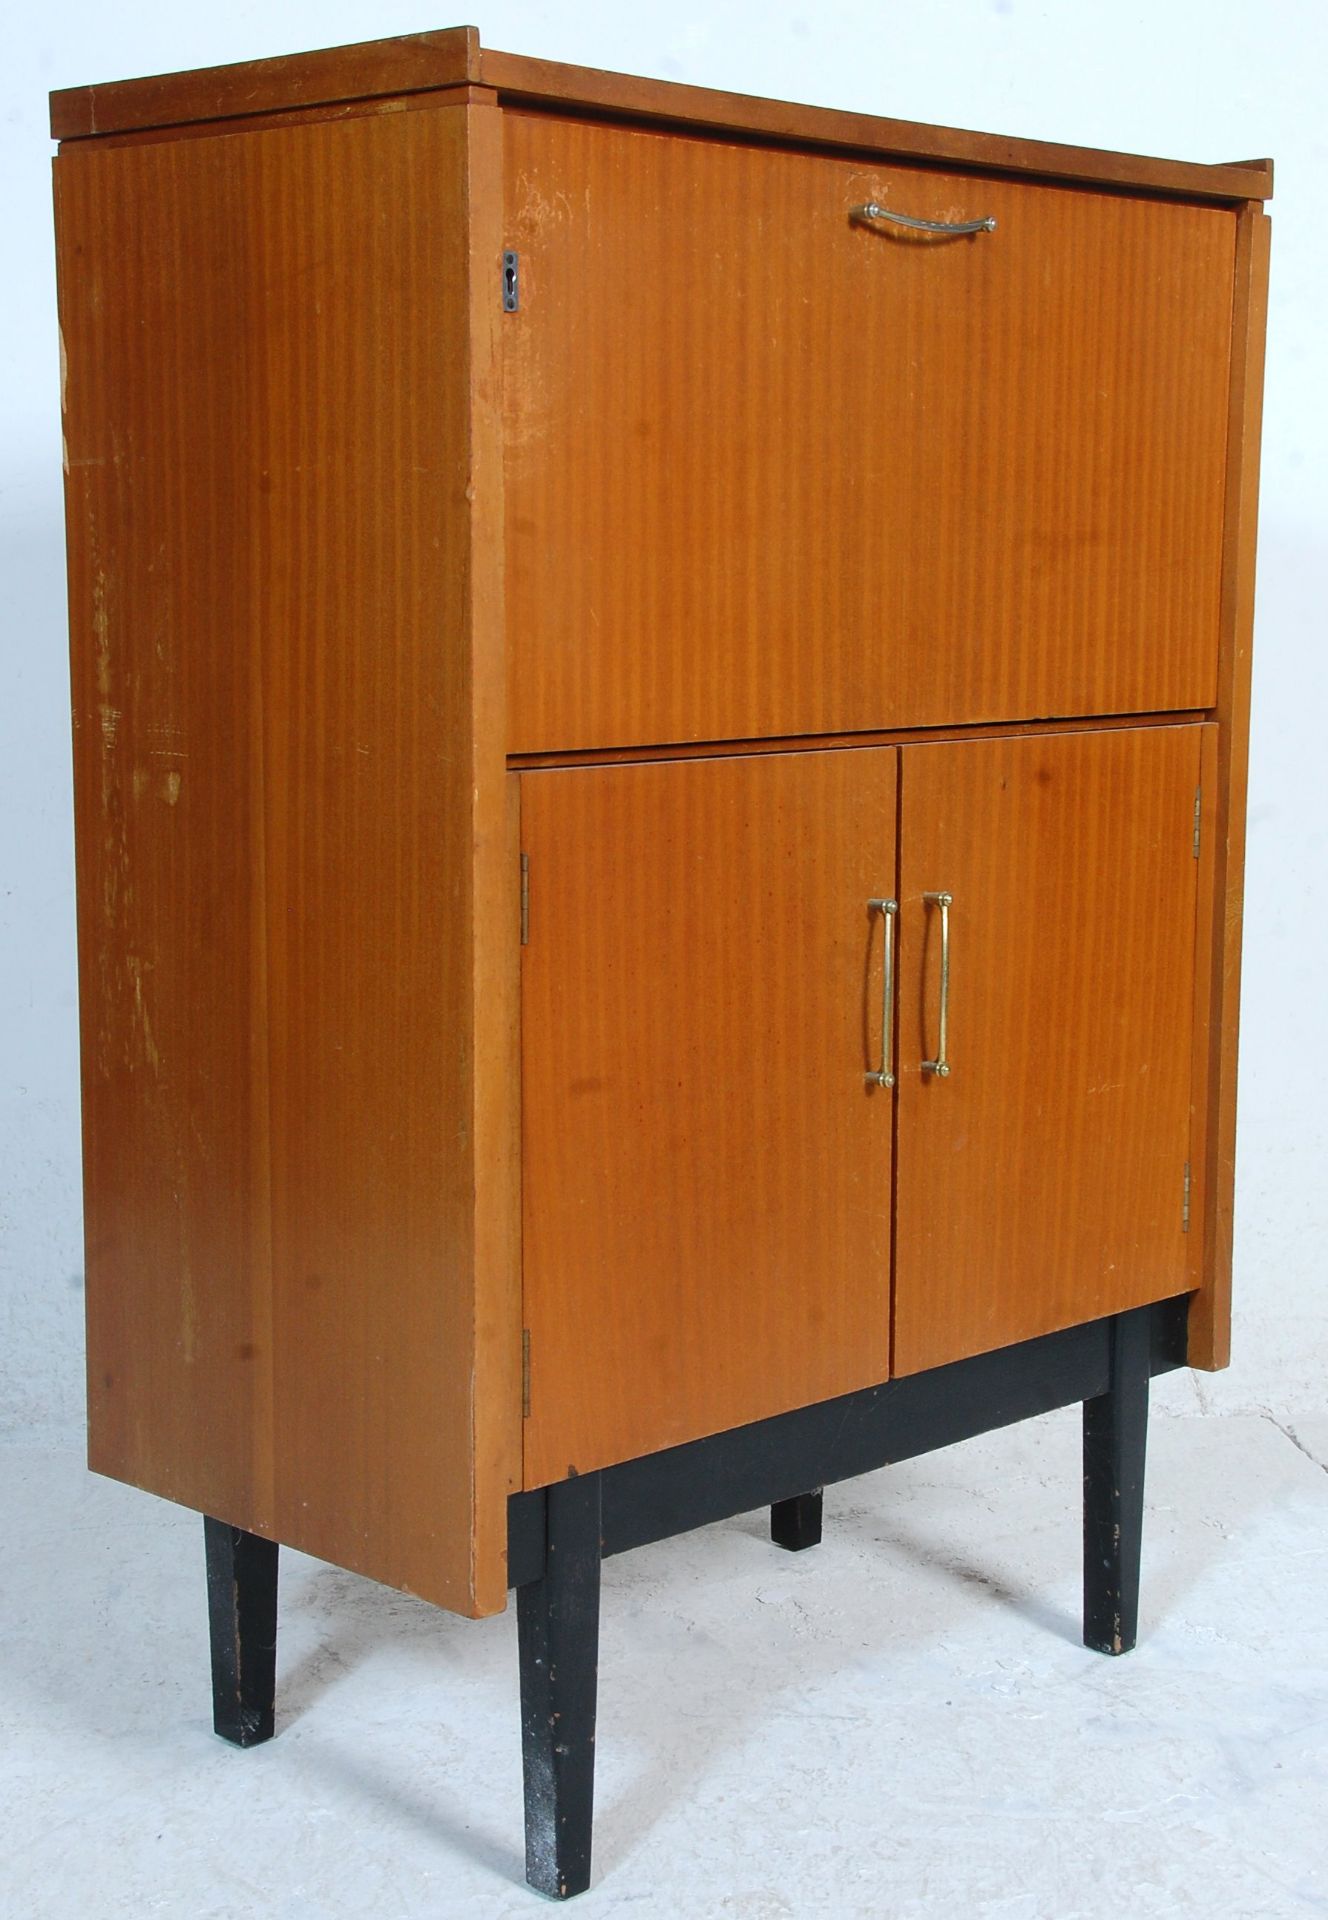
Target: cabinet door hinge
[511, 281]
[525, 899]
[525, 1373]
[1198, 816]
[1185, 1202]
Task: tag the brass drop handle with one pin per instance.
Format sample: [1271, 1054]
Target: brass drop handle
[886, 1076]
[940, 1066]
[872, 212]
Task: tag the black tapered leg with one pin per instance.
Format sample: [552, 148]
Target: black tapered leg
[1115, 1438]
[558, 1637]
[796, 1523]
[242, 1616]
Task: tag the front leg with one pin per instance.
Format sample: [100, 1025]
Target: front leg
[558, 1639]
[242, 1616]
[1115, 1439]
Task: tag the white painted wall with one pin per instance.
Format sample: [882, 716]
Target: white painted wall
[1212, 81]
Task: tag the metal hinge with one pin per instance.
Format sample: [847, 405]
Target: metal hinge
[525, 1373]
[1198, 815]
[525, 899]
[511, 281]
[1185, 1202]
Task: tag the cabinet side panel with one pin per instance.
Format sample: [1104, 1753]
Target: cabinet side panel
[169, 829]
[268, 425]
[1210, 1315]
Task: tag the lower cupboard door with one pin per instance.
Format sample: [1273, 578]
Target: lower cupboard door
[1043, 1180]
[706, 1161]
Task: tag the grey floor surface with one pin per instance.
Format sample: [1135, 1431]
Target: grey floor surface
[899, 1723]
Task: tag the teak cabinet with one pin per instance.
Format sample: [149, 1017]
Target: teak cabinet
[660, 691]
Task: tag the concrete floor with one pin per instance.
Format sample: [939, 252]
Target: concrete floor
[900, 1723]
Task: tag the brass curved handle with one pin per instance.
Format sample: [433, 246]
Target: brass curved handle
[886, 1076]
[940, 1066]
[872, 212]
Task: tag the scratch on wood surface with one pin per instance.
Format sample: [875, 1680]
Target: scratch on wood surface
[527, 415]
[101, 635]
[536, 209]
[141, 1017]
[115, 851]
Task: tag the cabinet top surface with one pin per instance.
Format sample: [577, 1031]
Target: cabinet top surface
[423, 62]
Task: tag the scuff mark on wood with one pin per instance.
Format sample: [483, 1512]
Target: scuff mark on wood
[135, 968]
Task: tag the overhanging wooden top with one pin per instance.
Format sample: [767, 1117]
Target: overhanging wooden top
[424, 62]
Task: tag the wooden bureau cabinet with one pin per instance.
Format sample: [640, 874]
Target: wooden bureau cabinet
[660, 690]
